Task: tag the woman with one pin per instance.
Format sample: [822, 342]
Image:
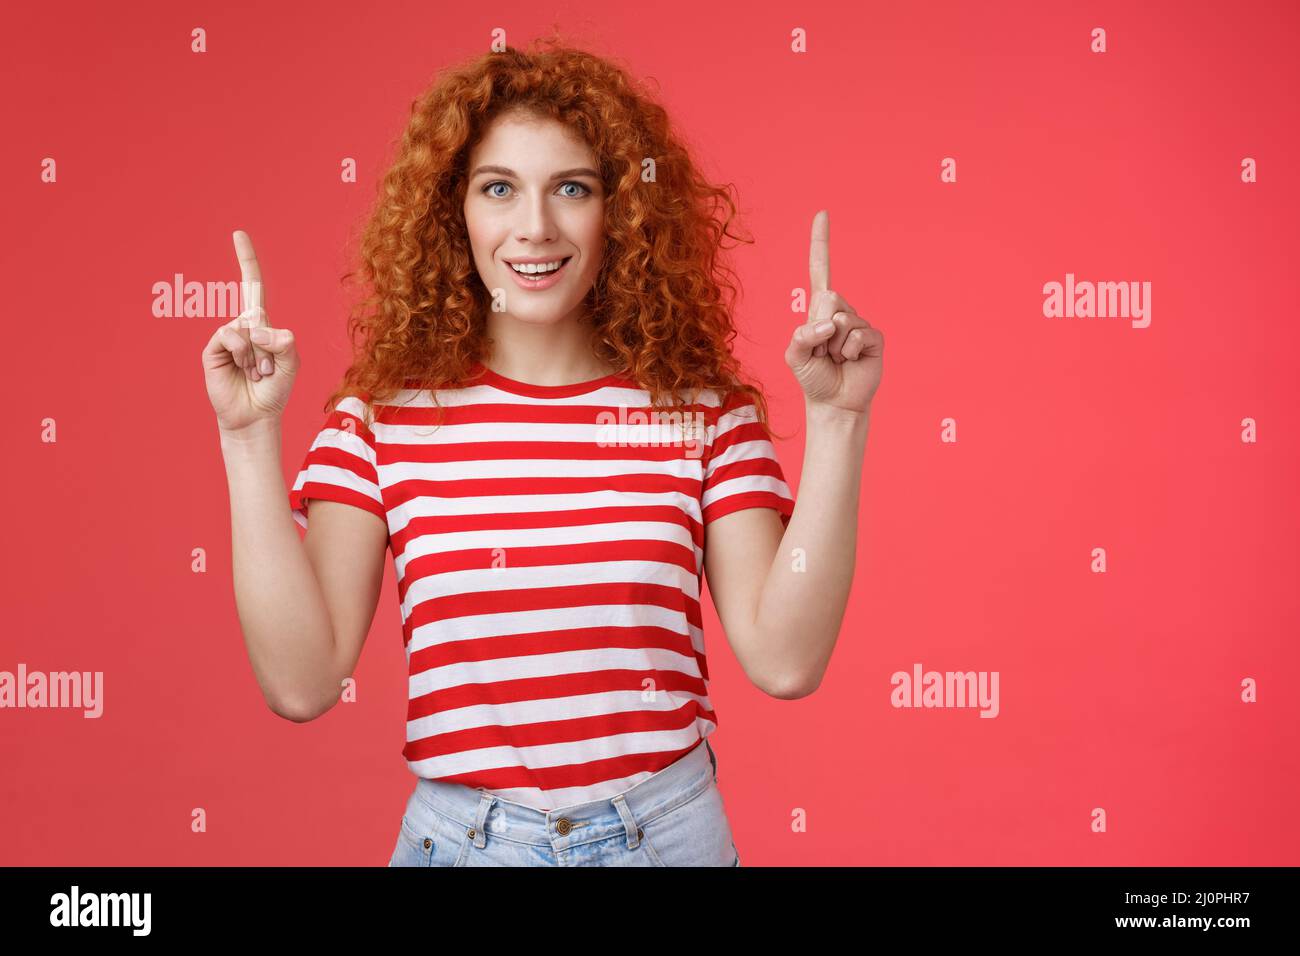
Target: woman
[544, 423]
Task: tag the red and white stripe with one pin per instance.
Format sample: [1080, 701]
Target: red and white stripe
[549, 579]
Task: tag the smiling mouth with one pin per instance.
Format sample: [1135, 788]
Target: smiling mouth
[541, 276]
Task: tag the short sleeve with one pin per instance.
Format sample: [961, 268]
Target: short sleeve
[742, 470]
[341, 464]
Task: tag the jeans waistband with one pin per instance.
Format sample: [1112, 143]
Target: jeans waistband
[563, 827]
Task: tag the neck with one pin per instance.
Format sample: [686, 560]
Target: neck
[559, 353]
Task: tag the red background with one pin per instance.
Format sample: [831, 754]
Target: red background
[1118, 690]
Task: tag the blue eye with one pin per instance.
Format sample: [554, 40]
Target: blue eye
[567, 182]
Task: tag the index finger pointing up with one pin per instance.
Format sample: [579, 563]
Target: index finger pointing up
[250, 272]
[819, 253]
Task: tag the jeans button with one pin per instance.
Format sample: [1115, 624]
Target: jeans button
[427, 843]
[563, 826]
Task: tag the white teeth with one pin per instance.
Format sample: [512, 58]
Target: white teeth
[532, 268]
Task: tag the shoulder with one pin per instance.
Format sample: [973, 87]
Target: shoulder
[353, 413]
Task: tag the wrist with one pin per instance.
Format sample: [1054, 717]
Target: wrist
[257, 434]
[830, 416]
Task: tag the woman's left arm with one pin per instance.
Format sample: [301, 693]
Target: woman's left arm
[806, 590]
[781, 602]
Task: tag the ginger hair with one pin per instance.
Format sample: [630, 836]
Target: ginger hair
[662, 303]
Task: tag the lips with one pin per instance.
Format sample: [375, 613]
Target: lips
[547, 279]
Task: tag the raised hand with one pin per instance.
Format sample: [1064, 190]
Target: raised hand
[248, 366]
[836, 355]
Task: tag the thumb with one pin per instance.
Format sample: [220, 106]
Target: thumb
[279, 342]
[807, 337]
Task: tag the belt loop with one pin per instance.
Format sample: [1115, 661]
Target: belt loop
[712, 759]
[485, 804]
[629, 822]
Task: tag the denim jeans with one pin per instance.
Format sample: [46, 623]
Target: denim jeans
[673, 818]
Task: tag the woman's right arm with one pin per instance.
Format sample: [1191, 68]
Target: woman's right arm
[305, 604]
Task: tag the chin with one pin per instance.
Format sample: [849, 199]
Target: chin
[537, 316]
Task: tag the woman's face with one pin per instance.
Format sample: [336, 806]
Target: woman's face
[534, 193]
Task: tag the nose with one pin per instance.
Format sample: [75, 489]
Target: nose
[536, 224]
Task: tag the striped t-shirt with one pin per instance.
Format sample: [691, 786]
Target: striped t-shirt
[548, 543]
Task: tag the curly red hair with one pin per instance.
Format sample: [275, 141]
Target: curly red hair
[662, 302]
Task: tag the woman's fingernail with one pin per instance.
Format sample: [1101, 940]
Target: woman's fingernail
[823, 327]
[265, 366]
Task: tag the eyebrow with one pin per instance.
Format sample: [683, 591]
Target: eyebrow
[563, 174]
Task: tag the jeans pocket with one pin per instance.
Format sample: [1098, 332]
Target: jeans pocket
[427, 838]
[694, 834]
[413, 847]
